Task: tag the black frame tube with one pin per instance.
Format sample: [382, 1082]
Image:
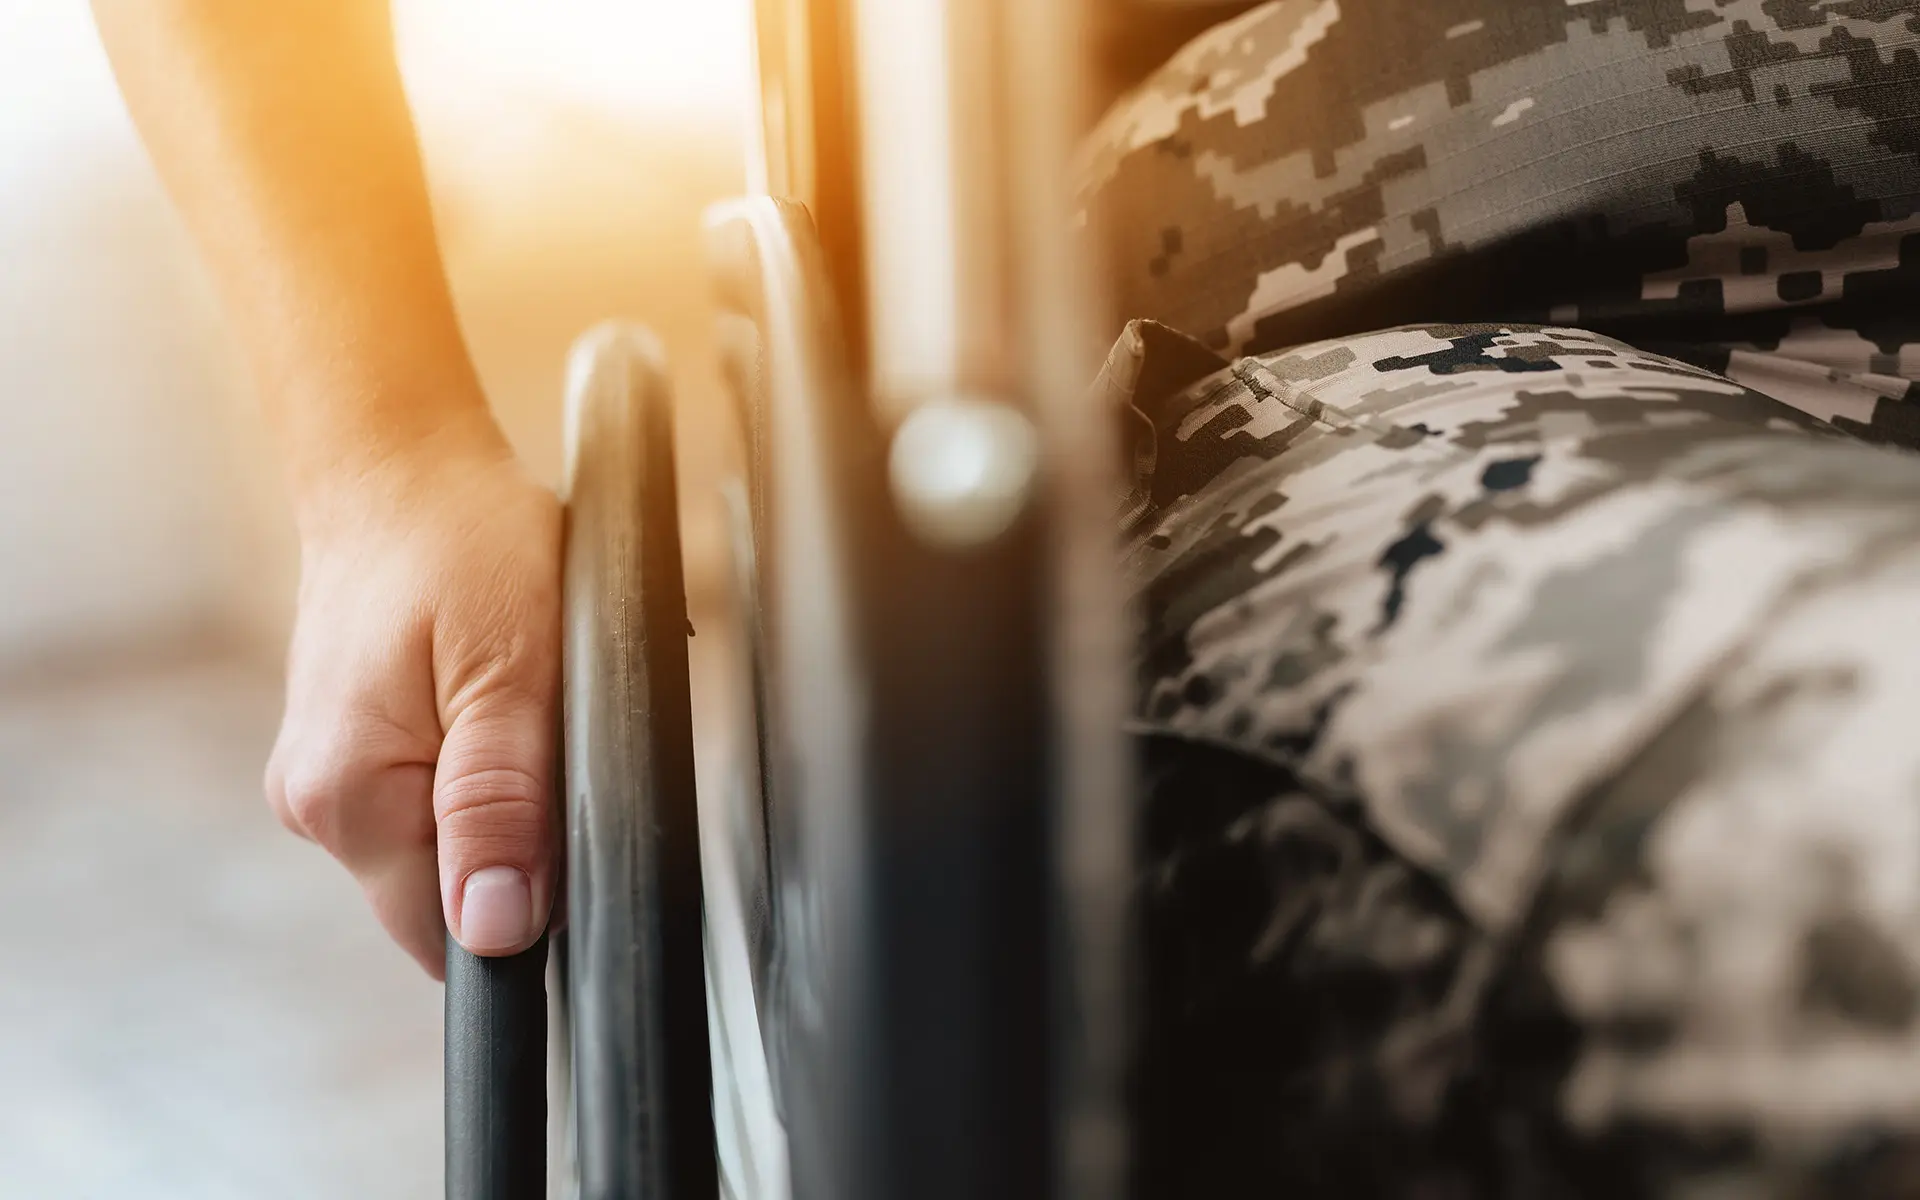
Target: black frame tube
[496, 1067]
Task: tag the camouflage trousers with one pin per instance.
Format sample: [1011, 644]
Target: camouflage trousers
[1735, 183]
[1531, 780]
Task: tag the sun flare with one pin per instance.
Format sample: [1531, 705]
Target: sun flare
[650, 54]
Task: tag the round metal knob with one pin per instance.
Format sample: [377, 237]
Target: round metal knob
[963, 469]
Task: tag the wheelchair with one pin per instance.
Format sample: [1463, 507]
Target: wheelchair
[928, 863]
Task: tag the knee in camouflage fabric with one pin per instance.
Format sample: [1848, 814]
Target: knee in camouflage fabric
[1581, 852]
[1732, 182]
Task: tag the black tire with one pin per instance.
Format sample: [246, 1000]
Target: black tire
[642, 1104]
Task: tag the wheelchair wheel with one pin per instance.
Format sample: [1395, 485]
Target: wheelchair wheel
[904, 984]
[798, 878]
[642, 1103]
[639, 1124]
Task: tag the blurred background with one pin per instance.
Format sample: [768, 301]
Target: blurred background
[194, 1004]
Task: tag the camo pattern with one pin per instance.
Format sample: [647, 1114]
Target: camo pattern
[1533, 806]
[1735, 183]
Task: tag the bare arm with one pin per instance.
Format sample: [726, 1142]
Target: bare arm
[284, 137]
[417, 745]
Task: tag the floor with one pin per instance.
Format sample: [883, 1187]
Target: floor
[195, 1005]
[192, 1003]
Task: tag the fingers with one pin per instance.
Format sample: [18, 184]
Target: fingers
[467, 846]
[374, 814]
[493, 803]
[422, 692]
[445, 832]
[405, 895]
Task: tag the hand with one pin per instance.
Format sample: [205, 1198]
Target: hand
[422, 691]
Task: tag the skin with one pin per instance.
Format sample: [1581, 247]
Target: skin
[421, 712]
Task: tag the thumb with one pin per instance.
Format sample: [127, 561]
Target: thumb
[493, 806]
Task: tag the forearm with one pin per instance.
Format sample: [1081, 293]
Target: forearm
[283, 134]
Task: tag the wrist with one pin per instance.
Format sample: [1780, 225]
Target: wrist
[389, 469]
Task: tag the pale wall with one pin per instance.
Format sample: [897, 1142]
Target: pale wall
[138, 505]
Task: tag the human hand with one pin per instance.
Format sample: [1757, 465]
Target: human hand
[422, 690]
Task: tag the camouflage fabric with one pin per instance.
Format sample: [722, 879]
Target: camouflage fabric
[1531, 804]
[1732, 182]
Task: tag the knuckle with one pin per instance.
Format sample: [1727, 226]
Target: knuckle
[275, 789]
[332, 771]
[310, 802]
[495, 792]
[282, 811]
[502, 810]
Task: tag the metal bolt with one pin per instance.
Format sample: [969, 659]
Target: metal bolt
[963, 469]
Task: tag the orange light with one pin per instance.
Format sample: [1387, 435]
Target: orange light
[634, 54]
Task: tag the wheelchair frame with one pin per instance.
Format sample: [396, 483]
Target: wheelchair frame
[940, 855]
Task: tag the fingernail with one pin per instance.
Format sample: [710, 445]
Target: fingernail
[496, 911]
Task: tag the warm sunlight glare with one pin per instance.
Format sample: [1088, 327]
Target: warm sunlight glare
[650, 54]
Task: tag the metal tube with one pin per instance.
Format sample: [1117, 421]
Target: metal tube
[496, 1065]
